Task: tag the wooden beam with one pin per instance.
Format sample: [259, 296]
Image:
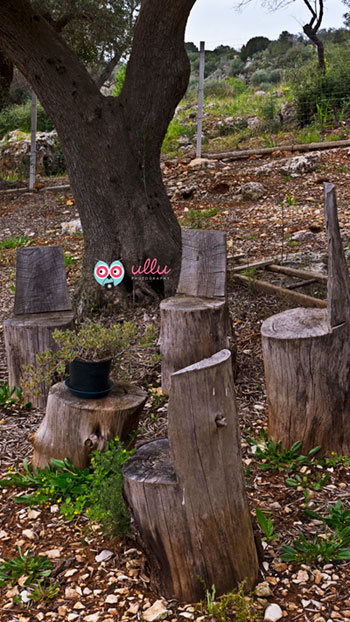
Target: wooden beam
[302, 274]
[282, 292]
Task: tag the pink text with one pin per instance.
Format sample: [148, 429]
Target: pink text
[150, 267]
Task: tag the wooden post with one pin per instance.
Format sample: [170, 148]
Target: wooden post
[32, 162]
[187, 495]
[196, 322]
[307, 360]
[200, 99]
[73, 427]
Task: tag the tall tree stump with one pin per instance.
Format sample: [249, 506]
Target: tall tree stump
[187, 495]
[42, 304]
[73, 427]
[196, 322]
[307, 360]
[25, 336]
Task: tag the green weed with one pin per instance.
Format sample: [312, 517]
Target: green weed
[235, 603]
[312, 481]
[323, 548]
[33, 567]
[274, 458]
[266, 525]
[11, 396]
[16, 242]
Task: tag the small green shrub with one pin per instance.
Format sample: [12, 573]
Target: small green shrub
[275, 76]
[312, 481]
[198, 219]
[19, 118]
[219, 89]
[338, 516]
[274, 458]
[266, 525]
[235, 603]
[259, 77]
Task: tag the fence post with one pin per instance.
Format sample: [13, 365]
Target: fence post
[200, 99]
[32, 161]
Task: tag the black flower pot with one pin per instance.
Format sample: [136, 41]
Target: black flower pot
[89, 379]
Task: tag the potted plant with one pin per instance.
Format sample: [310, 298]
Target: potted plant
[89, 353]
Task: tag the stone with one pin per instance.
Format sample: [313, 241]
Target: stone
[155, 612]
[299, 165]
[73, 226]
[183, 141]
[253, 122]
[263, 589]
[252, 191]
[15, 153]
[53, 553]
[104, 556]
[28, 533]
[260, 93]
[200, 163]
[302, 235]
[273, 613]
[302, 577]
[93, 617]
[112, 599]
[288, 114]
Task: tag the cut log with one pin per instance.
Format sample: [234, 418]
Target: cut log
[192, 329]
[282, 292]
[41, 281]
[203, 264]
[307, 361]
[25, 336]
[187, 496]
[73, 427]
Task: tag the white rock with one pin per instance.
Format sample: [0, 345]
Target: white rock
[3, 534]
[273, 613]
[73, 226]
[200, 162]
[93, 617]
[112, 599]
[252, 191]
[25, 596]
[53, 553]
[156, 612]
[263, 589]
[104, 556]
[301, 577]
[33, 514]
[28, 533]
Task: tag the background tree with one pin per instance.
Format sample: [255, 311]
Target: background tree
[254, 45]
[112, 144]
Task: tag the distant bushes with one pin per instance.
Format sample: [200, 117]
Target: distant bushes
[19, 118]
[324, 97]
[261, 76]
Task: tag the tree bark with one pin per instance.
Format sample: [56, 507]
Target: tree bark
[112, 145]
[74, 427]
[6, 76]
[188, 497]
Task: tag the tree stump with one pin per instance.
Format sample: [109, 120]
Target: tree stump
[191, 329]
[307, 360]
[196, 322]
[42, 304]
[25, 336]
[73, 427]
[187, 495]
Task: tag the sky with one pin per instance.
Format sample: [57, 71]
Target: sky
[218, 22]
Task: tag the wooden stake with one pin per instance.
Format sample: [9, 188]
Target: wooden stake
[32, 161]
[200, 99]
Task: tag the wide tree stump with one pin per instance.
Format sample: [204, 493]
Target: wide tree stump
[73, 427]
[25, 336]
[307, 360]
[196, 322]
[191, 329]
[187, 495]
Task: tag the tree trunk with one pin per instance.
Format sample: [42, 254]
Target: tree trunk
[187, 496]
[112, 145]
[74, 427]
[307, 360]
[312, 35]
[6, 76]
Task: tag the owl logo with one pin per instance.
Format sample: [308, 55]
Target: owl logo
[109, 276]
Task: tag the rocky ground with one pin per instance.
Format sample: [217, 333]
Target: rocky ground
[283, 211]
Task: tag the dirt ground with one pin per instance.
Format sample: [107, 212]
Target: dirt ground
[118, 589]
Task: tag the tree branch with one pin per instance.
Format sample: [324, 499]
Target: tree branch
[105, 74]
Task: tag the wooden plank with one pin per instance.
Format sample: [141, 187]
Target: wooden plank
[254, 264]
[203, 265]
[282, 292]
[301, 284]
[302, 274]
[338, 275]
[41, 285]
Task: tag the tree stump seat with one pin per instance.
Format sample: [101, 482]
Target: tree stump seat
[73, 427]
[42, 304]
[307, 360]
[187, 494]
[195, 323]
